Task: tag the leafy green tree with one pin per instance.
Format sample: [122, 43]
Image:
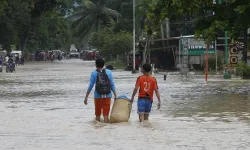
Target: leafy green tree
[120, 43]
[3, 5]
[110, 43]
[98, 39]
[91, 16]
[229, 15]
[125, 22]
[14, 22]
[52, 32]
[19, 21]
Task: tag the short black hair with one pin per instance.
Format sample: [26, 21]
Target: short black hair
[147, 68]
[99, 63]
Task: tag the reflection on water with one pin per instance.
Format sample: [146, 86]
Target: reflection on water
[216, 100]
[41, 107]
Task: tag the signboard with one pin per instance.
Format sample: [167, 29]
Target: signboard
[184, 68]
[233, 55]
[231, 65]
[198, 47]
[185, 51]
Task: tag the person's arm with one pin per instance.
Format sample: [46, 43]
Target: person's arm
[137, 86]
[134, 93]
[91, 85]
[112, 85]
[157, 93]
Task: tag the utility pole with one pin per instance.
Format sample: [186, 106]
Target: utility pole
[134, 36]
[215, 47]
[226, 46]
[167, 28]
[226, 41]
[206, 70]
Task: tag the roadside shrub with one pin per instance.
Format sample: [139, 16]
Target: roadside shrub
[243, 70]
[212, 63]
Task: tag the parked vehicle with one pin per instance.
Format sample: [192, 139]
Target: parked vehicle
[40, 56]
[74, 54]
[3, 53]
[85, 55]
[90, 55]
[16, 53]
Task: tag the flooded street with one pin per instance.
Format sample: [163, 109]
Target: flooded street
[41, 108]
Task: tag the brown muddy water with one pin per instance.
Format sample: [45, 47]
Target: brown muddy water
[41, 108]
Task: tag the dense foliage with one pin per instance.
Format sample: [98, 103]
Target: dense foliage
[110, 43]
[90, 16]
[212, 63]
[243, 70]
[209, 18]
[105, 25]
[32, 25]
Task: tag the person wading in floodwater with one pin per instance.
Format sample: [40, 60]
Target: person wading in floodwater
[147, 85]
[104, 84]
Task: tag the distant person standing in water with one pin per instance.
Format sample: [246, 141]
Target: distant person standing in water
[17, 59]
[146, 85]
[104, 85]
[1, 64]
[22, 60]
[1, 61]
[6, 58]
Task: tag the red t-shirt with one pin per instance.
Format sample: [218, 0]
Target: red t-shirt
[147, 85]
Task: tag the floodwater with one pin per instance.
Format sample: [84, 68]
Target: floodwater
[41, 108]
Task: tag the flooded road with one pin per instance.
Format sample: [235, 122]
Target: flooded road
[41, 108]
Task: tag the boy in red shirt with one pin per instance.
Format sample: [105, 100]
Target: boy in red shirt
[147, 85]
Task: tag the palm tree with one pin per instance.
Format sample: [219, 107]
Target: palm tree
[91, 16]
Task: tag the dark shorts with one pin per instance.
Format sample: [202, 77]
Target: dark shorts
[144, 106]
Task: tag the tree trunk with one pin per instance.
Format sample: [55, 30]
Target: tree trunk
[145, 52]
[149, 55]
[150, 41]
[98, 16]
[98, 24]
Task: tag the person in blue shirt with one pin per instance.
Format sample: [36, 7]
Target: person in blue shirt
[1, 64]
[1, 61]
[104, 86]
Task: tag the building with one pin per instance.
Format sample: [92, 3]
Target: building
[168, 54]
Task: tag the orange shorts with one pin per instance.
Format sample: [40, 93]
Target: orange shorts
[102, 106]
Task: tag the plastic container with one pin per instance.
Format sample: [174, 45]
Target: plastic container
[121, 110]
[227, 76]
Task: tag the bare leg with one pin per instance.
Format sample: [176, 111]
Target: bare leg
[146, 116]
[98, 118]
[106, 119]
[141, 117]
